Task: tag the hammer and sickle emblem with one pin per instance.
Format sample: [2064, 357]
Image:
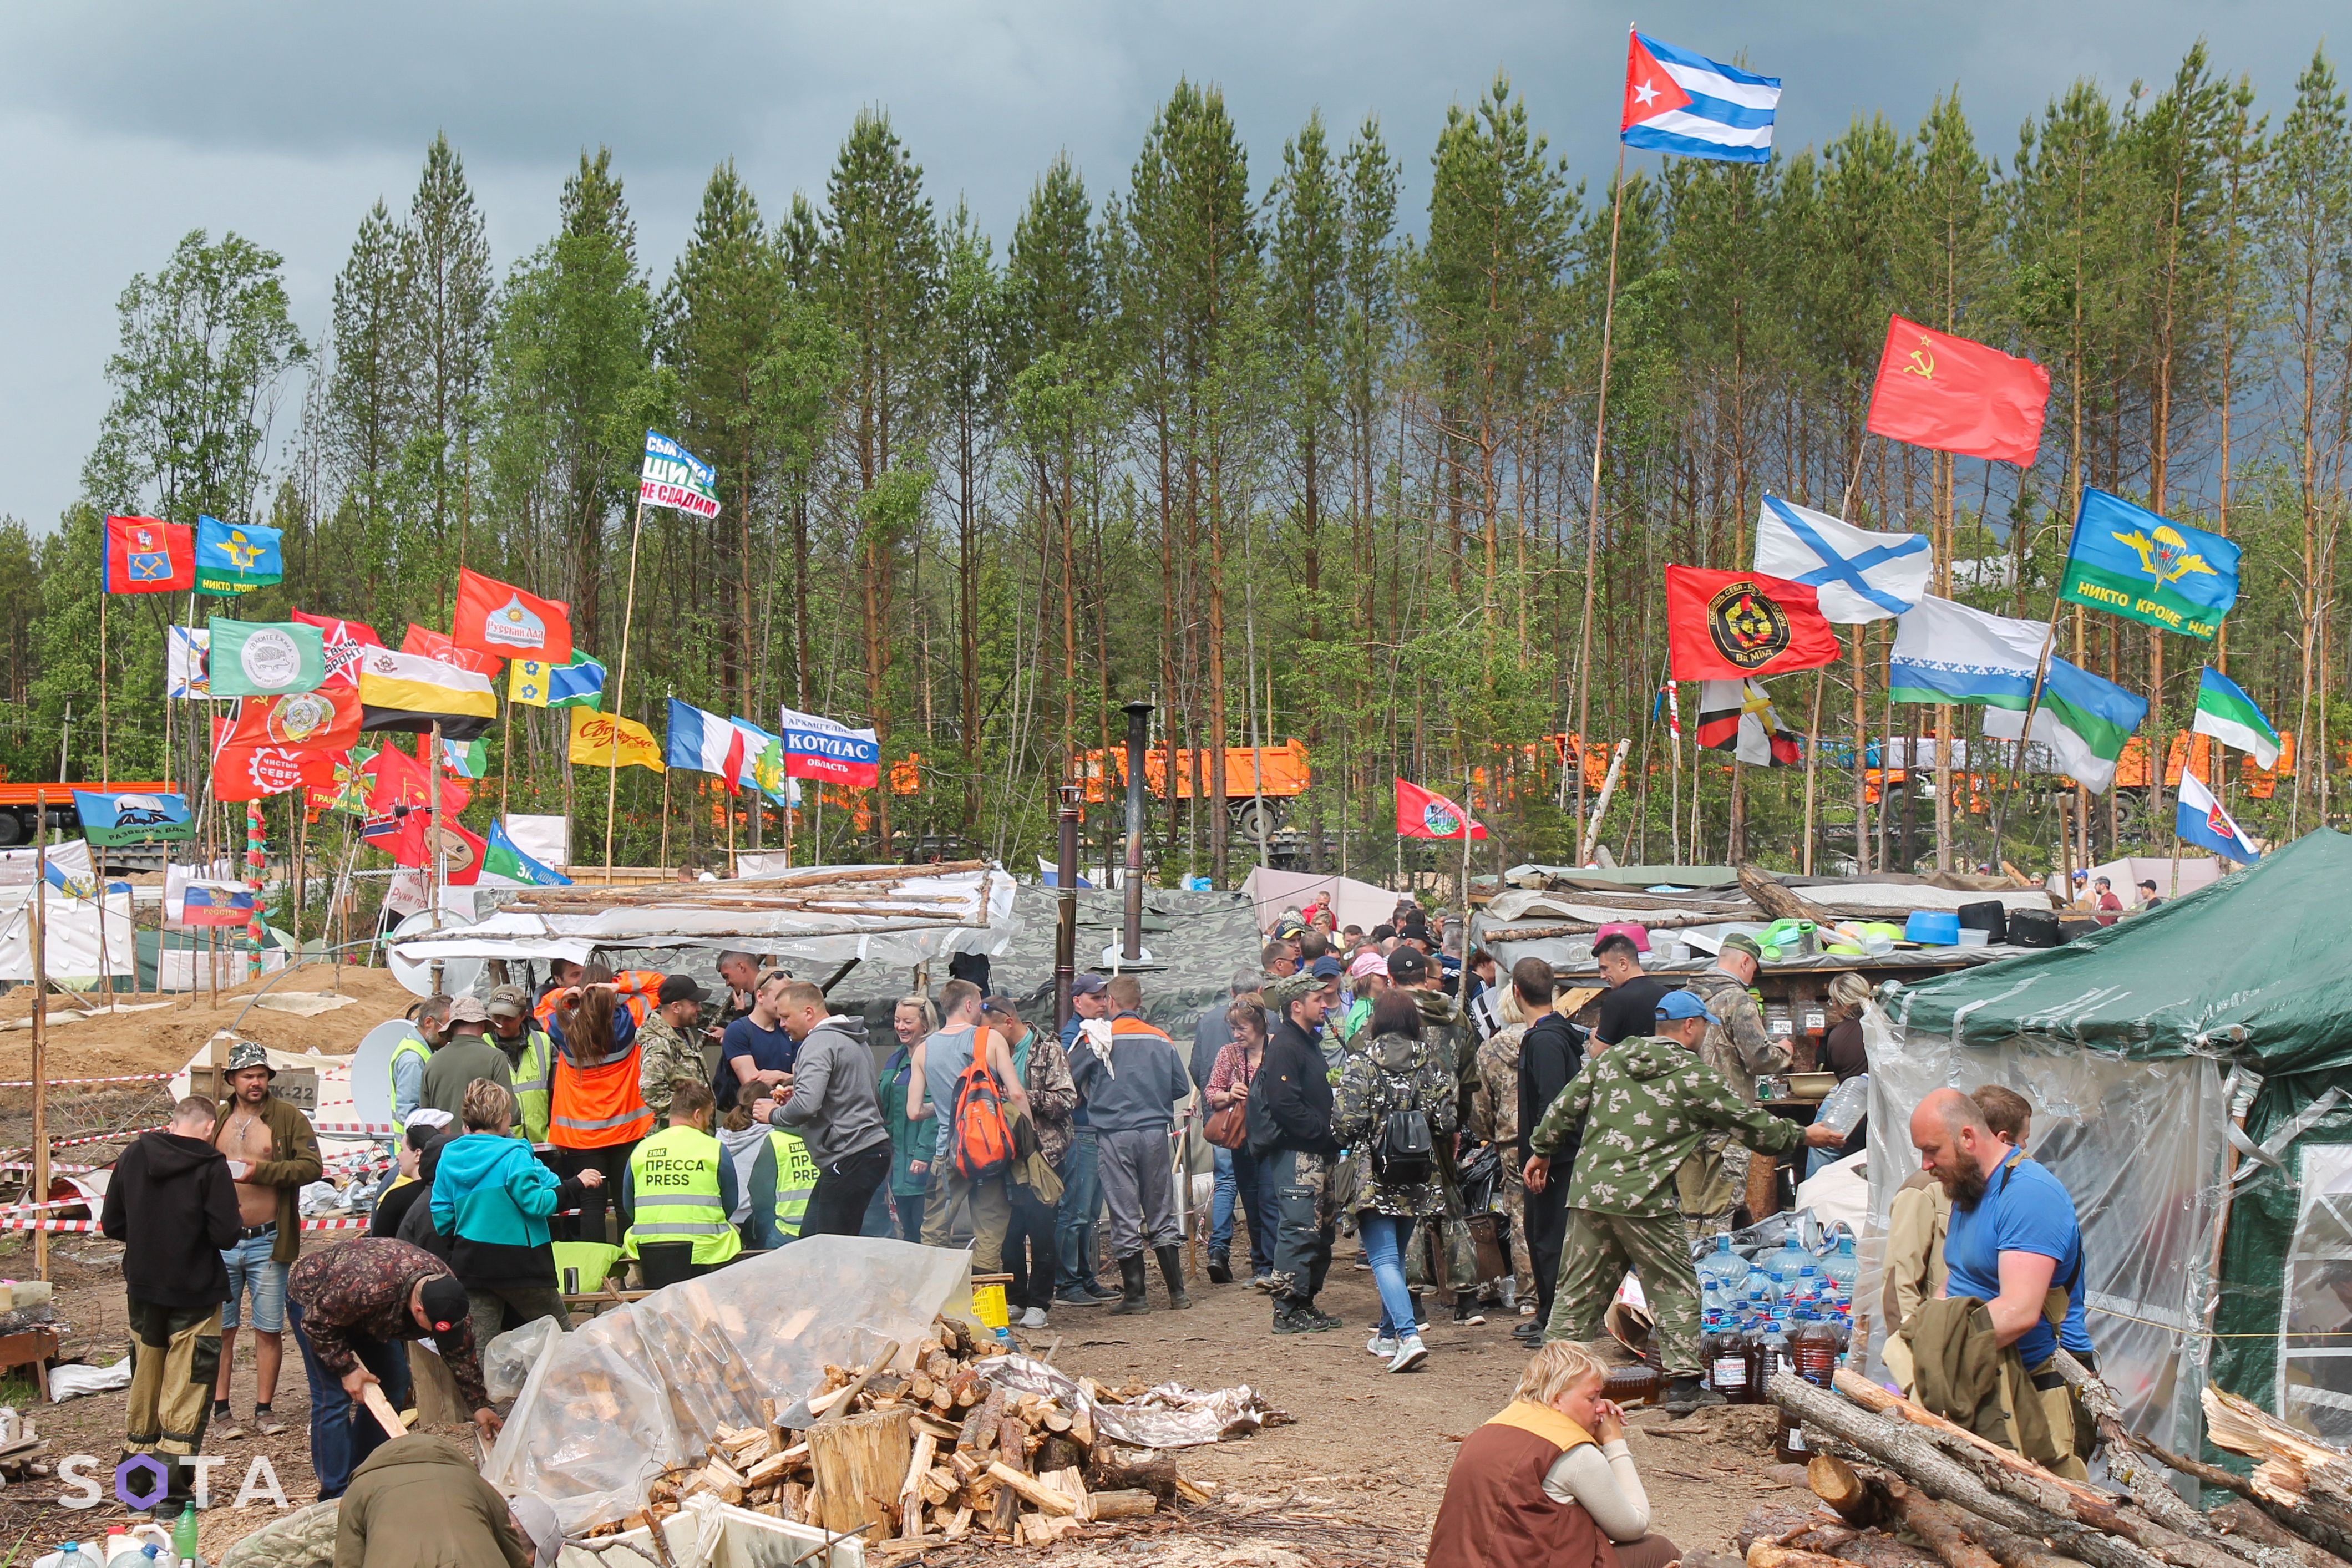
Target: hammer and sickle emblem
[1923, 362]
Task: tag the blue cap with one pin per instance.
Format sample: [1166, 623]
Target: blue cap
[1684, 1005]
[1327, 967]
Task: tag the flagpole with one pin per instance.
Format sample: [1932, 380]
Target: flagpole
[621, 686]
[433, 851]
[1812, 752]
[1861, 760]
[664, 836]
[1592, 503]
[105, 753]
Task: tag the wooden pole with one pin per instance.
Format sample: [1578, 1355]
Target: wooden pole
[105, 755]
[1812, 753]
[664, 836]
[1861, 762]
[40, 1074]
[1592, 503]
[620, 684]
[433, 851]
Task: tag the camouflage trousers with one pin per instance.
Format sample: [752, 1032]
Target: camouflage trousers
[1301, 1186]
[1514, 1204]
[1699, 1230]
[1600, 1251]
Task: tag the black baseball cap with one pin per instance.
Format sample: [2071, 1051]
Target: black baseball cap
[1408, 965]
[682, 989]
[445, 1302]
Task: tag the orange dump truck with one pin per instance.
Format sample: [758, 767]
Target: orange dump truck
[1279, 773]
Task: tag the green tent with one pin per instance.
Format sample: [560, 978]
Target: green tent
[2134, 1043]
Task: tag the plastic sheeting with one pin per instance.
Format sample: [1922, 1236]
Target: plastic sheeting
[72, 942]
[2137, 1142]
[606, 1408]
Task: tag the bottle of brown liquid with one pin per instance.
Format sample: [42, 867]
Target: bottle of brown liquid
[1636, 1384]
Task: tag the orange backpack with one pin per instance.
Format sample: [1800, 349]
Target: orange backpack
[984, 1140]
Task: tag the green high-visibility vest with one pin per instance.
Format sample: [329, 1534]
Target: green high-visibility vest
[533, 1079]
[796, 1175]
[674, 1188]
[409, 1046]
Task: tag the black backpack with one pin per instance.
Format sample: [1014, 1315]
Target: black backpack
[1403, 1152]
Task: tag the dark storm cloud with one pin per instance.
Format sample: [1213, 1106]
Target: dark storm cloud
[127, 125]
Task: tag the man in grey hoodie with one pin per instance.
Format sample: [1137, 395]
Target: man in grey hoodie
[833, 1105]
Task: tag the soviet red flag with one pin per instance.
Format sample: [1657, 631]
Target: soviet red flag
[1730, 625]
[306, 721]
[1953, 395]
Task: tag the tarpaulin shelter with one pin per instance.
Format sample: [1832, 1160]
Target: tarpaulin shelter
[2134, 1043]
[1354, 903]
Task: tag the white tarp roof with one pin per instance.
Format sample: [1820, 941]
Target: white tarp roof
[1355, 902]
[827, 915]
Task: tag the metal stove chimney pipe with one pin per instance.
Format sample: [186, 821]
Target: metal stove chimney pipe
[1139, 719]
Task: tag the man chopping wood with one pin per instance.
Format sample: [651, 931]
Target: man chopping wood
[2013, 1283]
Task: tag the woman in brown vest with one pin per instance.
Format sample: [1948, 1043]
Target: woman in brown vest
[1548, 1482]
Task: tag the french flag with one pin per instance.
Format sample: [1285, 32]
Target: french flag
[1679, 102]
[705, 743]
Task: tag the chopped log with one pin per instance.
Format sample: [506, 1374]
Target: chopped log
[1012, 1441]
[1764, 1554]
[1032, 1490]
[1057, 1421]
[1833, 1481]
[1933, 1522]
[1058, 1453]
[774, 1467]
[858, 1462]
[1072, 1484]
[719, 1477]
[1082, 1428]
[971, 1434]
[879, 1364]
[945, 1431]
[1871, 1396]
[920, 1388]
[1907, 1449]
[965, 1389]
[910, 1491]
[2295, 1470]
[2246, 1517]
[1104, 1505]
[1157, 1477]
[1005, 1514]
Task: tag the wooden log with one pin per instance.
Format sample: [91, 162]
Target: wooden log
[911, 1491]
[1933, 1522]
[1005, 1512]
[1058, 1453]
[2138, 1472]
[858, 1463]
[1012, 1441]
[1833, 1481]
[1071, 1483]
[1032, 1491]
[2246, 1517]
[1765, 1555]
[1871, 1396]
[1907, 1449]
[1133, 1504]
[1156, 1476]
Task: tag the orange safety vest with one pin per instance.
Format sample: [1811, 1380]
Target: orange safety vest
[597, 1107]
[633, 990]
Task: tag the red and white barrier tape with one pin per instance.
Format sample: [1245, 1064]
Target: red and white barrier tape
[77, 1083]
[355, 1129]
[55, 1168]
[10, 1220]
[122, 1137]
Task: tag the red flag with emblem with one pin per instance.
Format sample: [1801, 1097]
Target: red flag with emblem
[148, 555]
[1730, 625]
[1425, 814]
[344, 639]
[1950, 394]
[426, 642]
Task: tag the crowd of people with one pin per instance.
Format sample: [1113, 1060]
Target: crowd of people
[1377, 1084]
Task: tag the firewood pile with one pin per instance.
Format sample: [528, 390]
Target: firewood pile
[921, 1450]
[1883, 1465]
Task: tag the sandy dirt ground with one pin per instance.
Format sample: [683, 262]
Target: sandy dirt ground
[1366, 1443]
[155, 1034]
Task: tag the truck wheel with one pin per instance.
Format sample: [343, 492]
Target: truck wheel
[1250, 822]
[11, 829]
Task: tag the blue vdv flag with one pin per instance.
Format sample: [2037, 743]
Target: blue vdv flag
[2132, 562]
[132, 817]
[237, 558]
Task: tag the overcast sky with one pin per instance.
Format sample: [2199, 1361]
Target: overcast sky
[126, 125]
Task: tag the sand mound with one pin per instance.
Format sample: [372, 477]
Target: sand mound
[161, 1039]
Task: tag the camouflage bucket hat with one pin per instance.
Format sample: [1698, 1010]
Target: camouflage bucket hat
[249, 1054]
[1278, 994]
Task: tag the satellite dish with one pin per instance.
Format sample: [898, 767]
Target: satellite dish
[458, 975]
[372, 1070]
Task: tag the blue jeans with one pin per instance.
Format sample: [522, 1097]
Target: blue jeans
[1237, 1180]
[879, 1221]
[342, 1435]
[1385, 1239]
[250, 1269]
[1073, 1222]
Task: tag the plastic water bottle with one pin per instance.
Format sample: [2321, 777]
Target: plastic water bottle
[1808, 1288]
[183, 1538]
[1842, 1265]
[1723, 1263]
[1776, 1284]
[73, 1556]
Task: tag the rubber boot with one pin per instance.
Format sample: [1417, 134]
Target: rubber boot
[1221, 1266]
[1130, 1280]
[1171, 1270]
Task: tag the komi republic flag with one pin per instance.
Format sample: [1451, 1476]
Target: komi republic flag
[1676, 101]
[2229, 716]
[763, 764]
[705, 743]
[504, 864]
[2083, 719]
[1856, 575]
[2200, 820]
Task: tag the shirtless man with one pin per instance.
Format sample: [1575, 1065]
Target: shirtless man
[272, 1155]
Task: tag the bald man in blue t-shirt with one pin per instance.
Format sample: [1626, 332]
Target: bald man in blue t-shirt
[2012, 1238]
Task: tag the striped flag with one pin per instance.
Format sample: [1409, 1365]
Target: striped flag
[2229, 716]
[1682, 103]
[705, 743]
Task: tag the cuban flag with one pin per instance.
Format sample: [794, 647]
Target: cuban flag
[705, 743]
[1679, 102]
[2198, 818]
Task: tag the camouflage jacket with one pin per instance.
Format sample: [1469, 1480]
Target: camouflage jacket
[1646, 1105]
[664, 1056]
[1391, 1073]
[1738, 1047]
[1494, 1096]
[1445, 1026]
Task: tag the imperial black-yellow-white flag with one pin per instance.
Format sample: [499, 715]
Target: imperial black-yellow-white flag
[1736, 716]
